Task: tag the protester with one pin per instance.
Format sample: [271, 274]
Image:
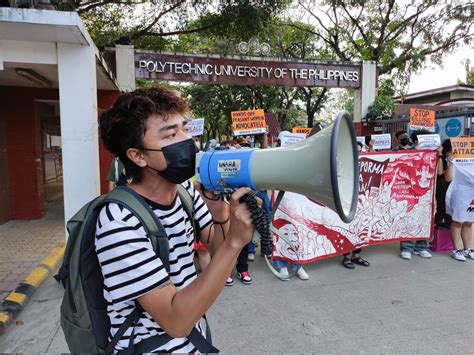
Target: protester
[353, 257]
[403, 140]
[243, 258]
[369, 144]
[459, 204]
[144, 129]
[419, 247]
[442, 219]
[242, 142]
[116, 176]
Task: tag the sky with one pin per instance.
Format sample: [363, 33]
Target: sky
[436, 77]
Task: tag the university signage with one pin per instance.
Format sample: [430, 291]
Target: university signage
[222, 70]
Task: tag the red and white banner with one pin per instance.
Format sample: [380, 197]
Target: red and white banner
[396, 200]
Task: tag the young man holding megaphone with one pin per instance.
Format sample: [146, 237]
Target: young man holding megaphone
[145, 129]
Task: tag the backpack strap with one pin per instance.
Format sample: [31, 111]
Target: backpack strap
[203, 344]
[129, 199]
[188, 206]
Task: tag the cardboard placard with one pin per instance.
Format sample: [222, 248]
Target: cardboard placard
[287, 139]
[248, 122]
[196, 127]
[382, 141]
[429, 141]
[463, 149]
[304, 130]
[422, 119]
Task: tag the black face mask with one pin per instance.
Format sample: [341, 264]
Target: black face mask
[405, 141]
[180, 159]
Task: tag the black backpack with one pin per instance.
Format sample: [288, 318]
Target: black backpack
[84, 318]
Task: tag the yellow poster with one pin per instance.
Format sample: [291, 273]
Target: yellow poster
[304, 130]
[248, 122]
[463, 149]
[422, 119]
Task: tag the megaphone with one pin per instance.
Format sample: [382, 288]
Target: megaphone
[323, 167]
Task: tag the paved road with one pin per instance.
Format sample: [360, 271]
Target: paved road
[393, 307]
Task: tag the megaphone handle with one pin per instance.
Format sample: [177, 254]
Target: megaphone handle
[261, 222]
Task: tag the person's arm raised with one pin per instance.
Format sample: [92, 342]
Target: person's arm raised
[178, 311]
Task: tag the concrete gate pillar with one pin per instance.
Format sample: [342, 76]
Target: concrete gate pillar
[365, 95]
[79, 131]
[125, 64]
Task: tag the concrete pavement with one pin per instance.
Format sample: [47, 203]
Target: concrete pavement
[394, 306]
[25, 243]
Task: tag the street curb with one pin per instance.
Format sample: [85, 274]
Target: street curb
[18, 298]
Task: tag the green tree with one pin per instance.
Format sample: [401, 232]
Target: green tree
[382, 108]
[399, 37]
[155, 24]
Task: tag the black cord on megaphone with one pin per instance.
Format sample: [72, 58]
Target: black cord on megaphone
[261, 222]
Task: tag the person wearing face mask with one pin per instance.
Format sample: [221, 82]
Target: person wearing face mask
[403, 140]
[146, 130]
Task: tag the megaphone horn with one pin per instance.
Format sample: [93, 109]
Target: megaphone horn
[323, 167]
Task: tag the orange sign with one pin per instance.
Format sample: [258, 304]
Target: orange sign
[248, 122]
[304, 130]
[422, 119]
[463, 149]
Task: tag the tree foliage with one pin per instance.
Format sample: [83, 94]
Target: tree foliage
[153, 24]
[397, 36]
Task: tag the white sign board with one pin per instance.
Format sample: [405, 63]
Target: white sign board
[291, 138]
[429, 141]
[361, 139]
[382, 141]
[196, 127]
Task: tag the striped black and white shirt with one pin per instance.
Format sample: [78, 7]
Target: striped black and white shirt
[131, 268]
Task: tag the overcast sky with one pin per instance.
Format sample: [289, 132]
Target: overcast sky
[436, 77]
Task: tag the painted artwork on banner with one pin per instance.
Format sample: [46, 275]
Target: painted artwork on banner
[396, 200]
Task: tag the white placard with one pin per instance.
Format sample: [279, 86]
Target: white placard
[196, 127]
[361, 139]
[382, 141]
[429, 141]
[291, 138]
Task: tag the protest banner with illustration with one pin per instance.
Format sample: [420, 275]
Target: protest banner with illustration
[429, 141]
[463, 149]
[396, 200]
[287, 139]
[382, 141]
[422, 119]
[196, 127]
[248, 122]
[304, 130]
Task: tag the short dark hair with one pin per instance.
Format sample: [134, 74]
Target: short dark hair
[368, 139]
[228, 143]
[447, 147]
[414, 135]
[360, 144]
[124, 124]
[399, 133]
